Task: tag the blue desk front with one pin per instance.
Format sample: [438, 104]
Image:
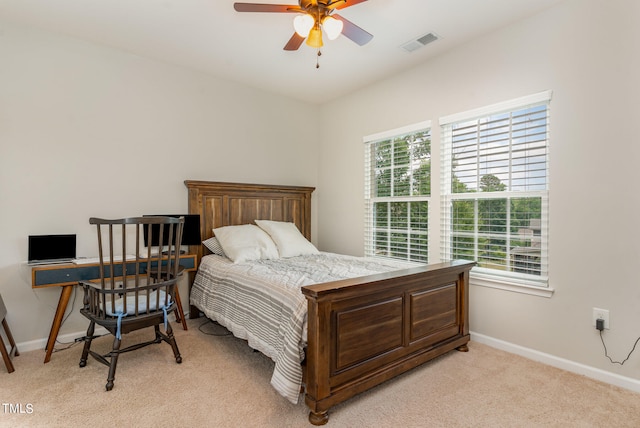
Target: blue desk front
[70, 274]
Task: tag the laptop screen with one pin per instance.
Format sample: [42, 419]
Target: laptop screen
[52, 247]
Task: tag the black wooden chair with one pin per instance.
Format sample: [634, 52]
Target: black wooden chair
[137, 285]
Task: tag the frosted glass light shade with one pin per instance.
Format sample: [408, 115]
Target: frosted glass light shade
[303, 24]
[332, 27]
[315, 38]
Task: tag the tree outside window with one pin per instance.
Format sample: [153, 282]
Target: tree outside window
[399, 183]
[498, 190]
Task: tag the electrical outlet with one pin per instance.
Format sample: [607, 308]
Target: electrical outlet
[602, 314]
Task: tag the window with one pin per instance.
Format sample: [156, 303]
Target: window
[397, 193]
[495, 189]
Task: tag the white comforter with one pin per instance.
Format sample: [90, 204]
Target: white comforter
[261, 302]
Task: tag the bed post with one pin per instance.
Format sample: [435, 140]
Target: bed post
[464, 308]
[317, 364]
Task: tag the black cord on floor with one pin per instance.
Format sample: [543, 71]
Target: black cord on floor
[607, 355]
[69, 344]
[77, 339]
[73, 305]
[210, 321]
[64, 319]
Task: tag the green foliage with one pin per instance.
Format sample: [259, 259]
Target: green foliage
[491, 183]
[485, 229]
[403, 165]
[402, 168]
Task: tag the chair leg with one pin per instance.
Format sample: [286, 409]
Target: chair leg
[12, 343]
[5, 356]
[173, 343]
[87, 344]
[114, 361]
[13, 349]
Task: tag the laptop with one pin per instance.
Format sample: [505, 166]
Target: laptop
[51, 249]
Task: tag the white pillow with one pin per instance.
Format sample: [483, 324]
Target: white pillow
[246, 242]
[214, 246]
[288, 238]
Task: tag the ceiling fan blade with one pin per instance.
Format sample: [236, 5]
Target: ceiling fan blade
[353, 32]
[259, 7]
[341, 4]
[294, 42]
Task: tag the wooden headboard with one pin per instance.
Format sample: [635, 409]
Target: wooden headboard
[228, 204]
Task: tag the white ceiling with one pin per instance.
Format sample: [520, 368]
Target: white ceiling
[210, 36]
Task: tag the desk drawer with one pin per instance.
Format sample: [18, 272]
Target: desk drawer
[43, 277]
[58, 275]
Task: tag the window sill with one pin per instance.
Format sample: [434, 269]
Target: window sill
[508, 284]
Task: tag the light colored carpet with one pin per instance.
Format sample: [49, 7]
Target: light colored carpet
[223, 383]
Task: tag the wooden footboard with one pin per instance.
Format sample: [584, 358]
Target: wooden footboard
[364, 331]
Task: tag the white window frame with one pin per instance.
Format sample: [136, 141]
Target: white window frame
[371, 200]
[491, 277]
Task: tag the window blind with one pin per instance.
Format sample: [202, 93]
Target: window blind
[495, 171]
[397, 193]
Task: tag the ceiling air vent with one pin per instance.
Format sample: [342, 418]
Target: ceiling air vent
[420, 42]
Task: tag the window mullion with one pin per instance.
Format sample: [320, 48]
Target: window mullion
[508, 234]
[476, 230]
[392, 172]
[477, 154]
[388, 228]
[510, 186]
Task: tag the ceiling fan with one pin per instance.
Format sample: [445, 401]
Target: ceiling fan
[314, 16]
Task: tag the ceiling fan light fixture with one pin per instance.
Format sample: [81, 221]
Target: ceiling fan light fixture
[315, 37]
[332, 27]
[311, 18]
[303, 24]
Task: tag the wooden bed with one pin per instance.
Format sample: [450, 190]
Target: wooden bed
[361, 331]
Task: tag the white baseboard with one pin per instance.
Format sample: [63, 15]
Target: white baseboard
[551, 360]
[561, 363]
[34, 345]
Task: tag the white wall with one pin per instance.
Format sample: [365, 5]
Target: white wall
[586, 52]
[81, 127]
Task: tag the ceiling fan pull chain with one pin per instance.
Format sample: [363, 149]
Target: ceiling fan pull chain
[318, 59]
